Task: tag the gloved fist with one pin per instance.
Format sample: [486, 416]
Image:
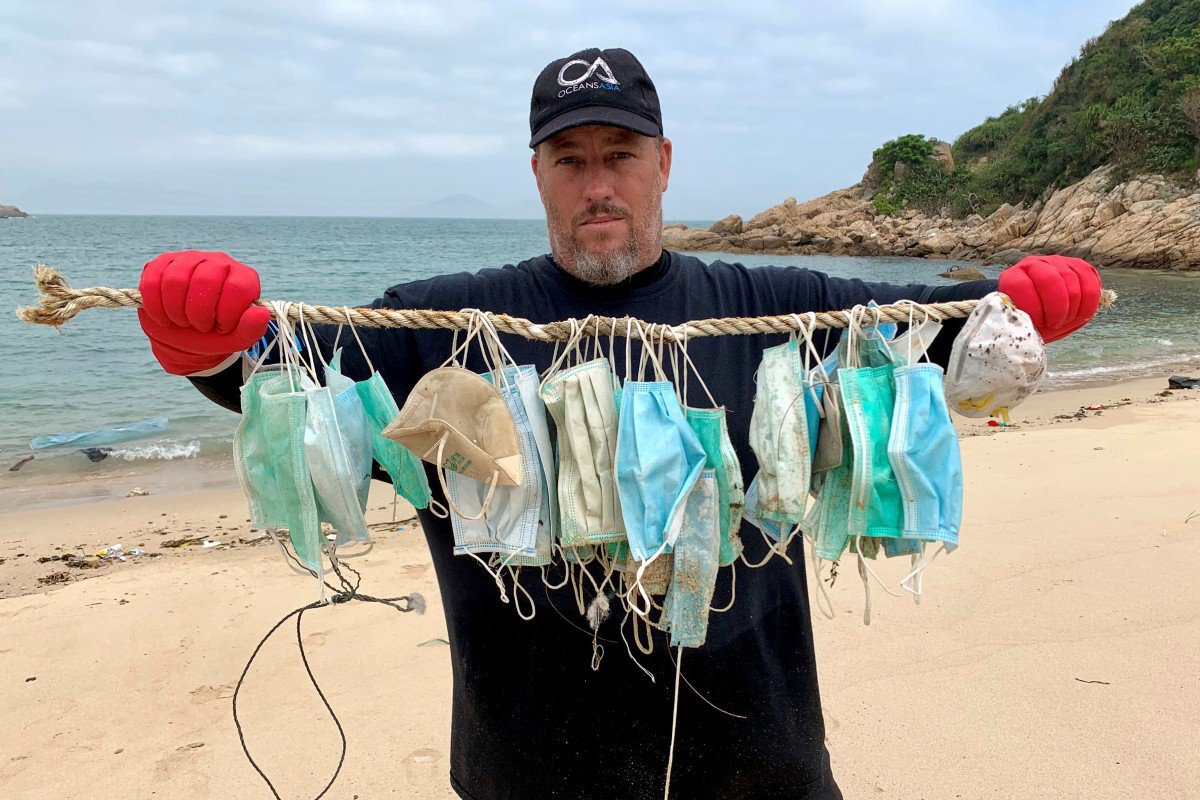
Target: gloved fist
[197, 309]
[1060, 294]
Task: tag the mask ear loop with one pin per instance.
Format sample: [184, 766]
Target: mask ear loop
[863, 563]
[560, 357]
[822, 593]
[456, 348]
[284, 340]
[441, 473]
[518, 590]
[628, 649]
[691, 365]
[877, 312]
[732, 591]
[919, 570]
[814, 357]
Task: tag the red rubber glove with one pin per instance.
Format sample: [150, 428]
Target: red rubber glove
[1060, 294]
[196, 309]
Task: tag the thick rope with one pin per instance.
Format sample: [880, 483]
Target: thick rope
[60, 302]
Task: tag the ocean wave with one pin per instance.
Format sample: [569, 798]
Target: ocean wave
[161, 451]
[1131, 369]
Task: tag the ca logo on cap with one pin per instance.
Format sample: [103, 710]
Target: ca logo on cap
[596, 67]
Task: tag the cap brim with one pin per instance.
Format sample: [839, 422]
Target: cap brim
[595, 115]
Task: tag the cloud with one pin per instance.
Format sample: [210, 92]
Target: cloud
[339, 146]
[772, 98]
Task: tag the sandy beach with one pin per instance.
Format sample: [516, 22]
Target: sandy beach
[1056, 654]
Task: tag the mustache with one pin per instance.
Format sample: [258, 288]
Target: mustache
[599, 210]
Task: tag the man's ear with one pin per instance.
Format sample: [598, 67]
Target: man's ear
[533, 162]
[664, 163]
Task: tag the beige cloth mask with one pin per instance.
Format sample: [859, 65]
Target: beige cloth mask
[455, 419]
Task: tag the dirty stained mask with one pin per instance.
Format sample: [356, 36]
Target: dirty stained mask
[711, 429]
[780, 435]
[458, 421]
[582, 403]
[694, 566]
[997, 360]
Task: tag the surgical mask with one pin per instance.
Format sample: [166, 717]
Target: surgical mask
[581, 401]
[710, 428]
[338, 448]
[658, 460]
[924, 453]
[507, 522]
[379, 405]
[269, 456]
[779, 435]
[694, 567]
[526, 380]
[868, 401]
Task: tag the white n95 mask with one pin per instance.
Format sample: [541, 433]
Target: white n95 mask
[998, 359]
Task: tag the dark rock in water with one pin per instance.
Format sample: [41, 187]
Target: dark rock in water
[96, 453]
[20, 463]
[1183, 382]
[963, 274]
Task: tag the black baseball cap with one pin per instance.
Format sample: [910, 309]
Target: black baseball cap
[593, 87]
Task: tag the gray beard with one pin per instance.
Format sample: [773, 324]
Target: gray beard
[600, 270]
[609, 268]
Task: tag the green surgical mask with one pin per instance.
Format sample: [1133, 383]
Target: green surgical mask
[270, 461]
[401, 465]
[709, 426]
[868, 388]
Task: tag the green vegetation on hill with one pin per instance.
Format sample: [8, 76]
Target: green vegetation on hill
[1130, 99]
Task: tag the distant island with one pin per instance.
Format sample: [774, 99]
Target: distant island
[1105, 167]
[11, 212]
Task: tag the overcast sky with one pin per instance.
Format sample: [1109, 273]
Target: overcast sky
[365, 107]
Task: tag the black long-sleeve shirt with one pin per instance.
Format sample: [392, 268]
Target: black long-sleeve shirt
[531, 719]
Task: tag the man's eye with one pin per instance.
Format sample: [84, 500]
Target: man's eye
[568, 160]
[622, 154]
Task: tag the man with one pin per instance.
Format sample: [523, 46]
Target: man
[531, 719]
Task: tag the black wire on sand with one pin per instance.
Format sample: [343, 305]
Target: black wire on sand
[343, 593]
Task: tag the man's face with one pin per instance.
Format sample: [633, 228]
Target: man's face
[602, 188]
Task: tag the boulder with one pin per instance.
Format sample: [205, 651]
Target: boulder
[963, 274]
[1006, 257]
[900, 171]
[943, 155]
[727, 225]
[11, 212]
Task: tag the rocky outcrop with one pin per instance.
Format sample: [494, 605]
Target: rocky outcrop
[9, 212]
[1147, 222]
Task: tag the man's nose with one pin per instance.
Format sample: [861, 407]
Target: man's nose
[598, 183]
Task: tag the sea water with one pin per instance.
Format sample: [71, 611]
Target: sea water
[98, 372]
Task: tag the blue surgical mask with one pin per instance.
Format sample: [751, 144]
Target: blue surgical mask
[658, 460]
[925, 456]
